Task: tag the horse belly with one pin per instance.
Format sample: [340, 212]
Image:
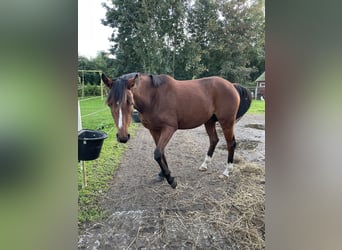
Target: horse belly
[194, 110]
[189, 125]
[193, 119]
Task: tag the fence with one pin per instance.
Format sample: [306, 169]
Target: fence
[90, 89]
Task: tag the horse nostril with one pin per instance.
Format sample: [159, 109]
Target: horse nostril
[123, 140]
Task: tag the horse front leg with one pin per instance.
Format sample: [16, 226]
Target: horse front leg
[159, 156]
[156, 135]
[161, 175]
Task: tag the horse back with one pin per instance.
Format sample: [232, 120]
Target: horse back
[217, 89]
[194, 102]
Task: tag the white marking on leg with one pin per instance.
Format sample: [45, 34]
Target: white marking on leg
[204, 165]
[228, 168]
[120, 118]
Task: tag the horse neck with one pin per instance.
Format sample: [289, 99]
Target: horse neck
[144, 98]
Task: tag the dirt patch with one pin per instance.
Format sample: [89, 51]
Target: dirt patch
[203, 212]
[256, 126]
[242, 145]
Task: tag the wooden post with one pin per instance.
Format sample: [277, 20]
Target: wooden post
[82, 83]
[84, 180]
[101, 84]
[84, 175]
[256, 91]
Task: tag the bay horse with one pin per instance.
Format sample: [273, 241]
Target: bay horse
[165, 105]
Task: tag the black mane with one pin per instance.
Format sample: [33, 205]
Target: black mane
[158, 80]
[117, 92]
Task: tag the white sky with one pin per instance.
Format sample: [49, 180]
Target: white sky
[92, 35]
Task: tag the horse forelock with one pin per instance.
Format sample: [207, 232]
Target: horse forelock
[116, 94]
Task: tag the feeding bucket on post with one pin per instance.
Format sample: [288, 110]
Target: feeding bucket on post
[90, 144]
[135, 116]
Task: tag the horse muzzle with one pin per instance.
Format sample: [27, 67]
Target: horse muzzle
[123, 139]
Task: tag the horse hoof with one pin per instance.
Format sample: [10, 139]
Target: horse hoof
[223, 177]
[174, 184]
[202, 169]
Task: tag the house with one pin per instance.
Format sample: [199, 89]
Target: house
[260, 87]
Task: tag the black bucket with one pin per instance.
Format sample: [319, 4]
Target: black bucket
[135, 116]
[90, 144]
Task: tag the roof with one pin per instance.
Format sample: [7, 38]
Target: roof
[261, 78]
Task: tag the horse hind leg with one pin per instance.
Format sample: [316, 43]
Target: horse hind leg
[213, 139]
[228, 132]
[229, 165]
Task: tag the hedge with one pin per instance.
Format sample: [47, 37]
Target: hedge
[90, 90]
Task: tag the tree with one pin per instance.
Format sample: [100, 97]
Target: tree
[147, 34]
[243, 26]
[100, 62]
[202, 28]
[186, 39]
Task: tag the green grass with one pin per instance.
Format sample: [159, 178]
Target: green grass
[96, 115]
[257, 107]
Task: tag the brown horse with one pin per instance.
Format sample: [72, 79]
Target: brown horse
[165, 105]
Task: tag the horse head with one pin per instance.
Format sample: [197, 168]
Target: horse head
[120, 101]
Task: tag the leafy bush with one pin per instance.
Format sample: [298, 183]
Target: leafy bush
[90, 90]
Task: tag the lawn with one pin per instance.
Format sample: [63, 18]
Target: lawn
[257, 107]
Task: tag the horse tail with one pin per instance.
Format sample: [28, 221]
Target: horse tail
[245, 100]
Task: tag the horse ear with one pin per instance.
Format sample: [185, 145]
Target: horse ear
[107, 81]
[131, 82]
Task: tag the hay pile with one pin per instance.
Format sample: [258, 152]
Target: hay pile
[225, 215]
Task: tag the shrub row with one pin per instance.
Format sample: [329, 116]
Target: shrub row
[90, 90]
